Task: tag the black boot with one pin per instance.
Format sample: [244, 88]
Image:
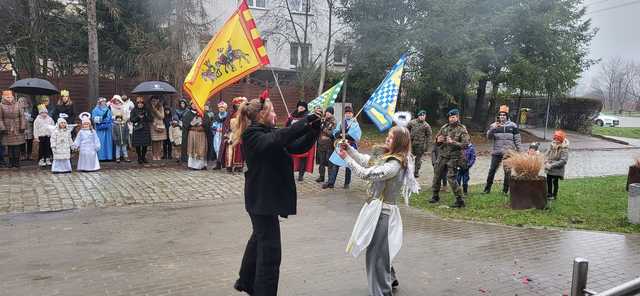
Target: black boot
[459, 203]
[487, 189]
[434, 199]
[465, 188]
[240, 288]
[300, 176]
[320, 179]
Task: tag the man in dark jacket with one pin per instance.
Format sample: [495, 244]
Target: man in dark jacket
[325, 143]
[270, 191]
[506, 136]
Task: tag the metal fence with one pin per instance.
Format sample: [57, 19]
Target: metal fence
[579, 283]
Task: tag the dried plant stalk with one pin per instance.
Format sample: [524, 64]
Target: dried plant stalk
[524, 166]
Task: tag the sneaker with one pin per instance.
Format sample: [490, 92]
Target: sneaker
[320, 180]
[41, 163]
[327, 185]
[127, 160]
[118, 160]
[48, 161]
[434, 199]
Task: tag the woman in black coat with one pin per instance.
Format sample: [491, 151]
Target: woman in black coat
[270, 189]
[141, 139]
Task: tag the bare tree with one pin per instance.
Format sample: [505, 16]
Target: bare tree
[288, 25]
[94, 87]
[616, 82]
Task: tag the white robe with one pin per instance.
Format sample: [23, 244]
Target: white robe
[88, 144]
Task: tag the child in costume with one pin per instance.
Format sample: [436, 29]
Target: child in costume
[301, 162]
[197, 147]
[353, 133]
[175, 136]
[218, 135]
[555, 161]
[121, 138]
[379, 225]
[88, 143]
[61, 146]
[42, 130]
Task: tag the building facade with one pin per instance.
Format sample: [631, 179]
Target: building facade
[289, 48]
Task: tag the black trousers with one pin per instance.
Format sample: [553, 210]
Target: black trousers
[141, 151]
[27, 148]
[14, 155]
[496, 160]
[260, 268]
[44, 149]
[167, 147]
[552, 185]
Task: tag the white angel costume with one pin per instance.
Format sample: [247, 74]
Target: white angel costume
[378, 228]
[88, 144]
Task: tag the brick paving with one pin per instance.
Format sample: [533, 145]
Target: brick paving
[148, 232]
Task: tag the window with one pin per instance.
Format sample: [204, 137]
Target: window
[298, 5]
[339, 52]
[302, 51]
[293, 56]
[306, 53]
[257, 3]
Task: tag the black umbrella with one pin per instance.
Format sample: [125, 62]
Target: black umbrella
[154, 88]
[34, 86]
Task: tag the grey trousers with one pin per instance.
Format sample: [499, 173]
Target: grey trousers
[380, 273]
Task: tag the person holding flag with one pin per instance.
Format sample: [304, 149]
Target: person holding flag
[325, 143]
[270, 189]
[352, 134]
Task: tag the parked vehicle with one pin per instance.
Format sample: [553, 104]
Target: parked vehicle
[607, 120]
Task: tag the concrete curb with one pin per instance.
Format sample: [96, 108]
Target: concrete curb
[611, 139]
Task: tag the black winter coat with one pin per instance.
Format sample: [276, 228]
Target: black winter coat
[141, 120]
[66, 109]
[270, 188]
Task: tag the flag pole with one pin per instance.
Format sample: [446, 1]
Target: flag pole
[280, 91]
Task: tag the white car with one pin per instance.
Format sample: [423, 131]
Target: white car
[607, 120]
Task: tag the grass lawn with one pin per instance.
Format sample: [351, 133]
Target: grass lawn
[627, 132]
[589, 203]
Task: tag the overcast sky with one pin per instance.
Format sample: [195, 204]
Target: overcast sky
[619, 34]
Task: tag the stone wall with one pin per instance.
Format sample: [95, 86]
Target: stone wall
[571, 113]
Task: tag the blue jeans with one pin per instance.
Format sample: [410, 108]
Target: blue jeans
[121, 150]
[333, 175]
[463, 178]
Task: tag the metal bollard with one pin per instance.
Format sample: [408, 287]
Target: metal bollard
[579, 279]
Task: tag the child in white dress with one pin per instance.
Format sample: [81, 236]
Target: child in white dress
[61, 146]
[88, 143]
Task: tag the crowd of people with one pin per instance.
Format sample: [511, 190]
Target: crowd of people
[246, 134]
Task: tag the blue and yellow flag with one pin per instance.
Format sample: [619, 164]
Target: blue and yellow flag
[382, 104]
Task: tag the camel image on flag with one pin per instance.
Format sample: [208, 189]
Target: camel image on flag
[235, 52]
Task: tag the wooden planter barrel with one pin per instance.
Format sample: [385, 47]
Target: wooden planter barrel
[634, 176]
[528, 194]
